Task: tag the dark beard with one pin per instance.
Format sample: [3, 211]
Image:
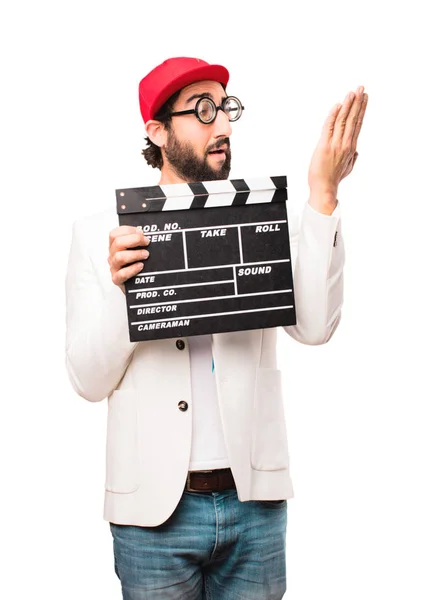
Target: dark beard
[188, 166]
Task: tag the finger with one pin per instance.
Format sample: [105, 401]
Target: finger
[355, 157]
[350, 165]
[342, 118]
[121, 276]
[126, 257]
[359, 122]
[122, 230]
[126, 230]
[131, 240]
[352, 119]
[328, 127]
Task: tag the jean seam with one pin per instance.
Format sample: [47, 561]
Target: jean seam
[216, 530]
[207, 588]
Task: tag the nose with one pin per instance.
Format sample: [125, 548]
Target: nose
[222, 125]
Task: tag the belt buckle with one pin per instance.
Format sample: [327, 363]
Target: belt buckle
[188, 486]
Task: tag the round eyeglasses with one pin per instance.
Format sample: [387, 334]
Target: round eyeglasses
[206, 109]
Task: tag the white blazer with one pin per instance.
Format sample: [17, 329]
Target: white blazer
[148, 436]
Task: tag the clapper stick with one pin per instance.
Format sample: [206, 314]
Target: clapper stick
[219, 257]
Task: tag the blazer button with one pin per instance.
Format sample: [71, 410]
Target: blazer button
[180, 344]
[182, 405]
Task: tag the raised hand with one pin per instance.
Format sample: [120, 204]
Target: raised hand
[336, 152]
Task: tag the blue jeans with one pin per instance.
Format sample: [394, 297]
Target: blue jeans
[213, 547]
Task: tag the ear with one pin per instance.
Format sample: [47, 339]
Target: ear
[157, 132]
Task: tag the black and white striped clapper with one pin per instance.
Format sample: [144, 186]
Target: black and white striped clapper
[219, 257]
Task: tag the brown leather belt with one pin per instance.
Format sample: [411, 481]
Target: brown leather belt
[217, 480]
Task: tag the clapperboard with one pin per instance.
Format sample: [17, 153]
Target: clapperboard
[219, 257]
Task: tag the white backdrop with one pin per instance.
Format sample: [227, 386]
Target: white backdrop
[359, 409]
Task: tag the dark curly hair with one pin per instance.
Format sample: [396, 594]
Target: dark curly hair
[152, 152]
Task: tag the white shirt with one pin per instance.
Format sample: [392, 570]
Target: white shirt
[208, 447]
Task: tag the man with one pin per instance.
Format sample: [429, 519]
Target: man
[197, 471]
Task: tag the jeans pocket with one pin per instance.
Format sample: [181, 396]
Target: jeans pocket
[273, 503]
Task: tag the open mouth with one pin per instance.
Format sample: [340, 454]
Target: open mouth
[219, 152]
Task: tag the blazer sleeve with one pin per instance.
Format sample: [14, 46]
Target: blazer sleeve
[317, 256]
[98, 349]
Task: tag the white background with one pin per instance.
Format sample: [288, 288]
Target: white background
[360, 409]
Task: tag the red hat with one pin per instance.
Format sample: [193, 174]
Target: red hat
[172, 75]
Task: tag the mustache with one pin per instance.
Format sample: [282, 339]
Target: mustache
[218, 145]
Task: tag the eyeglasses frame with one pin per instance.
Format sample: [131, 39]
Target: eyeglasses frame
[195, 110]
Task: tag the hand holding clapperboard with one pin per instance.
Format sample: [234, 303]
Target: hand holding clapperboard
[219, 257]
